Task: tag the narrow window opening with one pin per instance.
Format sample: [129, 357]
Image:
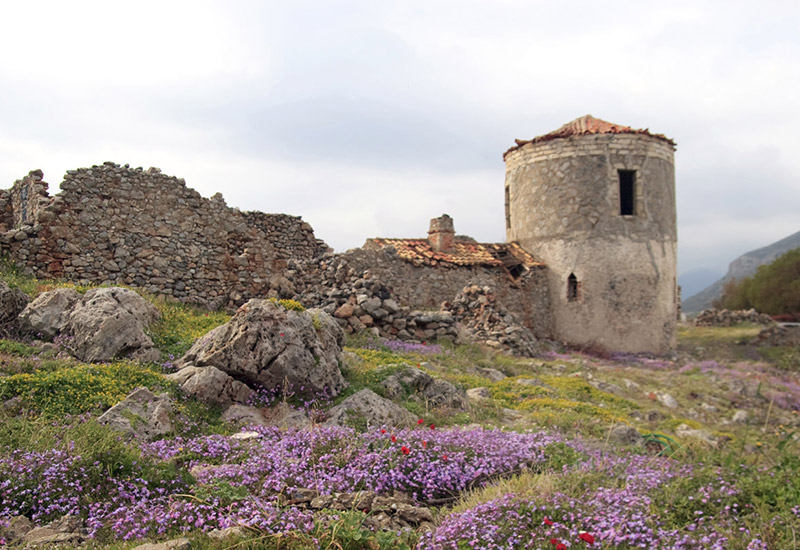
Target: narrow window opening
[627, 192]
[572, 288]
[508, 208]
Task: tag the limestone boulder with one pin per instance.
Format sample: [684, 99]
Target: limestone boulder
[174, 544]
[47, 315]
[142, 415]
[441, 393]
[109, 323]
[12, 303]
[478, 394]
[67, 531]
[210, 385]
[667, 400]
[243, 415]
[685, 432]
[281, 415]
[367, 406]
[17, 527]
[422, 386]
[265, 344]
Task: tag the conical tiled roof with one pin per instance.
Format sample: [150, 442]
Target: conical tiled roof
[587, 125]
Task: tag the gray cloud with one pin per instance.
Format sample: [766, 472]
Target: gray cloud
[370, 118]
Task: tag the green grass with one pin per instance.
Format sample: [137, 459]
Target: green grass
[17, 349]
[720, 343]
[783, 357]
[78, 388]
[180, 325]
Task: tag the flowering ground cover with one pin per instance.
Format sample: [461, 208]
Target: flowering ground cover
[531, 466]
[595, 499]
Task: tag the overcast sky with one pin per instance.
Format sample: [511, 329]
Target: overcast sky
[368, 118]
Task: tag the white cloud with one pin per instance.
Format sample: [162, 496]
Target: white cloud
[370, 118]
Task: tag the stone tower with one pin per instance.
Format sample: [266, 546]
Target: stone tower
[595, 201]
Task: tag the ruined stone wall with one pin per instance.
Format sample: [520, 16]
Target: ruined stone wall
[113, 224]
[333, 280]
[564, 207]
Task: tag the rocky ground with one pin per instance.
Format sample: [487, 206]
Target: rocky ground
[129, 422]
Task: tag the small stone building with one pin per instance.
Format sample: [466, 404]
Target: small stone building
[595, 202]
[426, 272]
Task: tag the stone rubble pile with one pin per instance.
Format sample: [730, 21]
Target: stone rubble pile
[726, 318]
[484, 320]
[395, 511]
[779, 336]
[360, 301]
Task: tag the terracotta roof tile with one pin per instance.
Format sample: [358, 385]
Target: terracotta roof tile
[463, 253]
[587, 125]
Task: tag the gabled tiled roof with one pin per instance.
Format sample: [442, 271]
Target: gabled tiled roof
[587, 125]
[463, 253]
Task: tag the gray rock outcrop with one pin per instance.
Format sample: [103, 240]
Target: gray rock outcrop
[12, 303]
[48, 314]
[110, 323]
[67, 531]
[423, 387]
[210, 385]
[281, 415]
[265, 344]
[367, 406]
[103, 324]
[174, 544]
[142, 415]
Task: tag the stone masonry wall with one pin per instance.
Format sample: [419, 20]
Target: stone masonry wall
[114, 224]
[612, 275]
[334, 280]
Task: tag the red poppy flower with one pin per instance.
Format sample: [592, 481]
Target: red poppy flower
[548, 521]
[394, 439]
[424, 444]
[420, 421]
[433, 427]
[553, 541]
[383, 431]
[405, 450]
[281, 335]
[586, 537]
[444, 458]
[561, 546]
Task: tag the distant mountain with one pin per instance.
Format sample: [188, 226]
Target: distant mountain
[696, 280]
[744, 266]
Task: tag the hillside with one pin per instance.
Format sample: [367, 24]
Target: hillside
[744, 266]
[565, 450]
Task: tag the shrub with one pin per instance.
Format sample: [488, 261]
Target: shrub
[774, 289]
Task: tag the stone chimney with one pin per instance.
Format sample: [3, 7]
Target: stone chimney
[441, 235]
